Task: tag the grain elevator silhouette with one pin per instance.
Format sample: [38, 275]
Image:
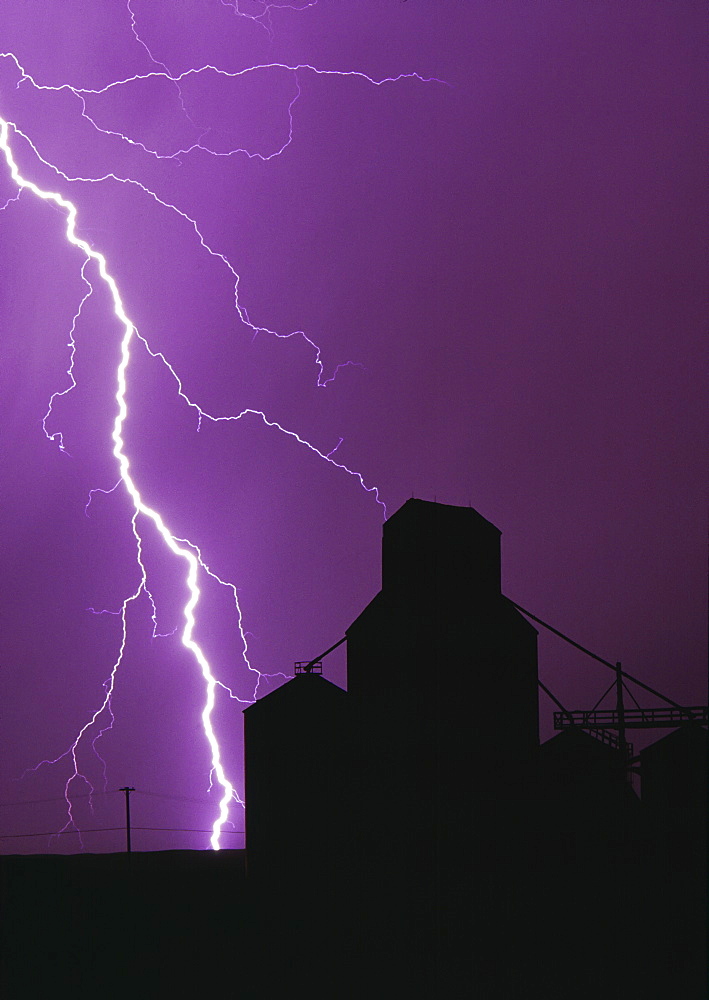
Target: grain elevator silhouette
[407, 787]
[412, 830]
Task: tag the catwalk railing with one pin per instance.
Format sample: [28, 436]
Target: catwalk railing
[632, 718]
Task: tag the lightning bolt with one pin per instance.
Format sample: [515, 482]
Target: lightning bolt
[184, 550]
[178, 548]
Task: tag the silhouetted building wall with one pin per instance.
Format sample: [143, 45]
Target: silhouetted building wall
[674, 780]
[440, 642]
[300, 862]
[442, 670]
[443, 673]
[582, 794]
[674, 797]
[297, 748]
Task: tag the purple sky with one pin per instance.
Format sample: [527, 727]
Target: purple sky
[511, 263]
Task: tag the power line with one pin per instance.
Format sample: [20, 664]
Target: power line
[169, 829]
[94, 795]
[175, 798]
[111, 829]
[58, 798]
[61, 833]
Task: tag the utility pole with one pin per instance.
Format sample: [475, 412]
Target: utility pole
[127, 790]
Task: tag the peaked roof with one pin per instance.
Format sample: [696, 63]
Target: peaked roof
[303, 689]
[691, 736]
